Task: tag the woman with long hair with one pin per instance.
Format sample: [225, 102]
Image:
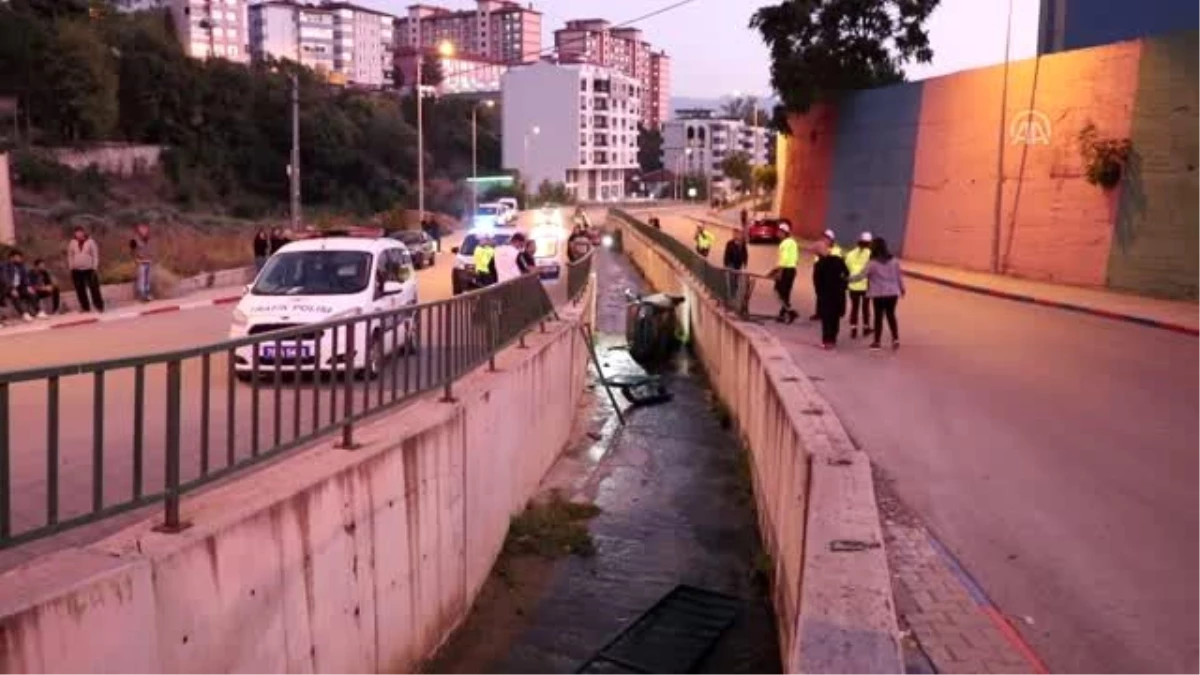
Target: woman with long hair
[885, 287]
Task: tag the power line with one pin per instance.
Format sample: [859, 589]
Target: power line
[548, 50]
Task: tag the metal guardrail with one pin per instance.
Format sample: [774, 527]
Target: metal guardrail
[732, 288]
[578, 274]
[85, 441]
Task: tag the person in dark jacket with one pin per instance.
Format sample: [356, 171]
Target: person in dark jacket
[17, 287]
[262, 249]
[44, 288]
[278, 239]
[527, 258]
[830, 276]
[734, 259]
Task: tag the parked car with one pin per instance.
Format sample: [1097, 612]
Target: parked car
[420, 246]
[765, 229]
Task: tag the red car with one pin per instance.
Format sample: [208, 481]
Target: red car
[765, 229]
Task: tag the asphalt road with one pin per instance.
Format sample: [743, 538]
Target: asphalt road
[263, 414]
[1055, 454]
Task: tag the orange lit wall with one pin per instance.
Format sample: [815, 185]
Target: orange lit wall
[805, 181]
[1053, 225]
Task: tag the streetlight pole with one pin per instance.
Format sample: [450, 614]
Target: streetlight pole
[294, 173]
[475, 154]
[534, 130]
[418, 89]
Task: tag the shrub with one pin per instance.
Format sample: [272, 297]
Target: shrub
[1104, 158]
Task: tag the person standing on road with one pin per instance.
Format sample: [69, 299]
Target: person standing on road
[829, 276]
[506, 259]
[735, 260]
[262, 249]
[785, 273]
[484, 259]
[44, 288]
[885, 287]
[143, 257]
[830, 241]
[704, 241]
[856, 261]
[278, 240]
[83, 259]
[527, 260]
[433, 232]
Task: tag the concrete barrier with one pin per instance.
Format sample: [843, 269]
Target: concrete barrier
[834, 607]
[328, 560]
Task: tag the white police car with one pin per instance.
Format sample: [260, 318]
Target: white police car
[323, 279]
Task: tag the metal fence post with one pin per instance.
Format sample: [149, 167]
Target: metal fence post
[172, 522]
[447, 343]
[348, 400]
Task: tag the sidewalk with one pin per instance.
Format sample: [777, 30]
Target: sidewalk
[121, 311]
[1177, 316]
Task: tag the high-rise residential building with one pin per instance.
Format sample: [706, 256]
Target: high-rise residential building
[461, 74]
[623, 49]
[498, 30]
[349, 43]
[212, 28]
[206, 28]
[574, 124]
[1076, 24]
[697, 141]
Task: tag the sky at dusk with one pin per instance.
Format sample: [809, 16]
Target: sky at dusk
[713, 53]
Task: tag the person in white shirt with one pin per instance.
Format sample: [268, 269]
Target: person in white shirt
[506, 259]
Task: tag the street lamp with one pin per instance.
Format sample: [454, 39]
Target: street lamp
[679, 172]
[534, 130]
[445, 49]
[293, 167]
[475, 152]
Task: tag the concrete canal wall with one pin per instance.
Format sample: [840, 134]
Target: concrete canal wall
[328, 560]
[834, 610]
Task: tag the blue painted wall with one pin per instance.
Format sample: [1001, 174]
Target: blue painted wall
[874, 151]
[1091, 23]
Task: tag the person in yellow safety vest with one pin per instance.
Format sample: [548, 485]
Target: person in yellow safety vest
[483, 257]
[834, 250]
[785, 272]
[704, 241]
[856, 261]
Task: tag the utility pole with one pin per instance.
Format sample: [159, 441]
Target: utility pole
[294, 167]
[474, 160]
[419, 90]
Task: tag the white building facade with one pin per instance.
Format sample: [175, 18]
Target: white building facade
[212, 28]
[698, 141]
[574, 124]
[350, 44]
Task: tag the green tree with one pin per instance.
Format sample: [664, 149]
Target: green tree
[81, 78]
[821, 49]
[57, 9]
[736, 166]
[649, 149]
[746, 109]
[432, 74]
[552, 193]
[766, 177]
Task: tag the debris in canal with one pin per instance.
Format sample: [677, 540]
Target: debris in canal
[552, 528]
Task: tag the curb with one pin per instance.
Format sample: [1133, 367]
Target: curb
[122, 316]
[1081, 309]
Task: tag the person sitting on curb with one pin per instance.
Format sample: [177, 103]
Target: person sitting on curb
[44, 288]
[17, 287]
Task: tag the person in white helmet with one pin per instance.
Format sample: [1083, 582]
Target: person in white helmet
[832, 248]
[856, 261]
[785, 272]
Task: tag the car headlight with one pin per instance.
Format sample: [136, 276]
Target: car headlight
[240, 318]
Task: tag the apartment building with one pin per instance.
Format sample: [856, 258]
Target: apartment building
[497, 30]
[626, 50]
[351, 44]
[211, 28]
[698, 141]
[460, 74]
[574, 123]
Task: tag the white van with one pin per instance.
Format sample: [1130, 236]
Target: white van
[323, 279]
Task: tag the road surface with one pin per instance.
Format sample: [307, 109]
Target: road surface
[297, 405]
[1054, 453]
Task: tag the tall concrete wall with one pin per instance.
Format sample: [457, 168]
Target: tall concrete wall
[958, 171]
[834, 612]
[326, 561]
[1155, 238]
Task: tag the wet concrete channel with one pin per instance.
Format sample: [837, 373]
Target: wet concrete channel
[675, 506]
